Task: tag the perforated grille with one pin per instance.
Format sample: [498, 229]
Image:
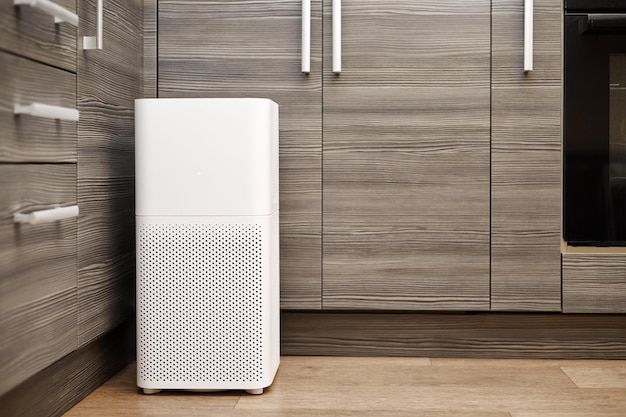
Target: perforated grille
[200, 302]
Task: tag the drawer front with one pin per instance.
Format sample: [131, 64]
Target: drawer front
[26, 138]
[594, 283]
[32, 33]
[36, 259]
[38, 271]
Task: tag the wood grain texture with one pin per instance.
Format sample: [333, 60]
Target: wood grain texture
[109, 77]
[434, 399]
[410, 43]
[489, 335]
[106, 255]
[570, 413]
[35, 335]
[526, 363]
[415, 372]
[150, 35]
[388, 387]
[508, 43]
[57, 388]
[27, 138]
[252, 49]
[594, 282]
[526, 199]
[35, 260]
[526, 159]
[38, 272]
[597, 376]
[406, 157]
[108, 83]
[106, 148]
[31, 33]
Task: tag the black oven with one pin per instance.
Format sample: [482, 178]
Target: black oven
[594, 141]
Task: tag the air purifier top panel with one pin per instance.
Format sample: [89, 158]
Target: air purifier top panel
[202, 156]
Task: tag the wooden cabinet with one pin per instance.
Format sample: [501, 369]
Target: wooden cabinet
[65, 283]
[242, 49]
[109, 80]
[38, 262]
[526, 160]
[425, 176]
[406, 141]
[406, 157]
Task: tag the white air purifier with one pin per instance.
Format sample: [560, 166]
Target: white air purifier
[207, 244]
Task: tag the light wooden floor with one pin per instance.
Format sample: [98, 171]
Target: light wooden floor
[386, 387]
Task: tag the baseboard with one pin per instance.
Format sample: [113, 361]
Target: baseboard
[488, 335]
[59, 387]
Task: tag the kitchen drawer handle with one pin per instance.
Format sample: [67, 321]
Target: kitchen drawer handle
[306, 36]
[46, 216]
[47, 111]
[528, 35]
[337, 36]
[60, 13]
[95, 42]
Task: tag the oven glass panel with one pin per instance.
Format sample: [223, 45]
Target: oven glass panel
[594, 129]
[617, 142]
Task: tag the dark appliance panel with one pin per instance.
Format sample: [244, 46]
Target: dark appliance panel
[595, 123]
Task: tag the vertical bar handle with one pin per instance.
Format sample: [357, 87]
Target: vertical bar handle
[528, 35]
[337, 36]
[47, 111]
[95, 42]
[306, 36]
[60, 13]
[46, 216]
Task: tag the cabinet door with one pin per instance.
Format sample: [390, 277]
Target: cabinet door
[38, 308]
[406, 156]
[239, 48]
[526, 160]
[109, 80]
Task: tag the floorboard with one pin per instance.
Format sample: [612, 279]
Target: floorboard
[311, 386]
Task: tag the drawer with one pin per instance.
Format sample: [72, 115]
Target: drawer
[27, 138]
[595, 282]
[36, 259]
[32, 33]
[38, 271]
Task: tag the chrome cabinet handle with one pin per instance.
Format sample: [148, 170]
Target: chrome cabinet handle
[528, 35]
[47, 111]
[60, 13]
[306, 36]
[95, 42]
[46, 216]
[337, 36]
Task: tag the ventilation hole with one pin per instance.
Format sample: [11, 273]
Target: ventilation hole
[200, 302]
